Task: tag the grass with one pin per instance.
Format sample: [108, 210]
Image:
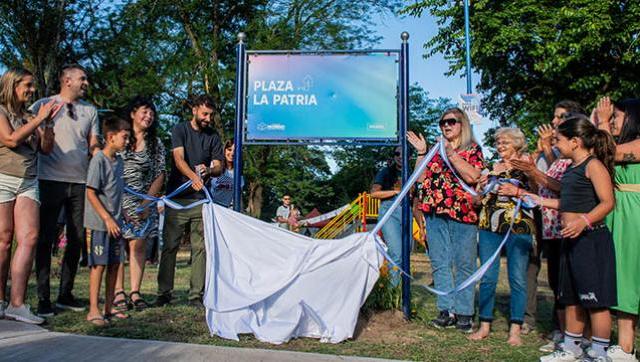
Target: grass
[384, 335]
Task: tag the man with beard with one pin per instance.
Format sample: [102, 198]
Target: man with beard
[62, 176]
[195, 147]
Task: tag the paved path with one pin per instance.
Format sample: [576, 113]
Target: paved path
[24, 342]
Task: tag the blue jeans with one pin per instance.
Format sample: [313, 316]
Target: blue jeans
[392, 234]
[453, 251]
[518, 248]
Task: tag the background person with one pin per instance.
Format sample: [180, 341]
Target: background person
[222, 186]
[386, 187]
[21, 138]
[283, 211]
[62, 176]
[195, 147]
[144, 169]
[451, 219]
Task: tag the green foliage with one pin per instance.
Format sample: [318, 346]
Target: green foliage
[384, 296]
[532, 54]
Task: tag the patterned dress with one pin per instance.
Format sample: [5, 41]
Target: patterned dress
[140, 170]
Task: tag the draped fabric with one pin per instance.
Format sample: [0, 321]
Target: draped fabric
[278, 285]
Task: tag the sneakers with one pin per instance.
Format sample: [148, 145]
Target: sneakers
[464, 323]
[556, 338]
[444, 320]
[45, 309]
[196, 303]
[69, 302]
[22, 314]
[560, 356]
[3, 306]
[617, 354]
[162, 300]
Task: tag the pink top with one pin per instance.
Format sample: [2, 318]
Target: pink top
[551, 225]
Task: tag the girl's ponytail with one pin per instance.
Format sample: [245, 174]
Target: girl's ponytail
[604, 148]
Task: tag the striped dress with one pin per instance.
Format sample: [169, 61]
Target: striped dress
[140, 170]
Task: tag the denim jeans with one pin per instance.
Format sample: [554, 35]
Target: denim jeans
[453, 251]
[518, 248]
[392, 234]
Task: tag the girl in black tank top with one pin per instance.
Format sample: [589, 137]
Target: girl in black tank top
[587, 275]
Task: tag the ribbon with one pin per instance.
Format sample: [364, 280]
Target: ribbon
[478, 274]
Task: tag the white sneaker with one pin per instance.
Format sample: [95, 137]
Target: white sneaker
[560, 356]
[556, 337]
[22, 314]
[617, 354]
[3, 306]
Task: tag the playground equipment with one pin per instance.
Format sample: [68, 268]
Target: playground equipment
[360, 210]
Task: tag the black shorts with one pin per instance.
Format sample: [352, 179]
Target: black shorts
[103, 249]
[588, 270]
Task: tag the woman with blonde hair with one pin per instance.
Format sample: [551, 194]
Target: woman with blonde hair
[22, 136]
[451, 219]
[496, 217]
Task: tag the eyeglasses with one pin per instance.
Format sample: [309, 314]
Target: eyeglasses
[70, 111]
[448, 122]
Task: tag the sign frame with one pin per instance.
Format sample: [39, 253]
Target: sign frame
[322, 141]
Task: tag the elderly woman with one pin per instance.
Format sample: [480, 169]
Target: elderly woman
[22, 136]
[497, 214]
[450, 216]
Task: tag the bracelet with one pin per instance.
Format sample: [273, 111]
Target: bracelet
[586, 219]
[422, 154]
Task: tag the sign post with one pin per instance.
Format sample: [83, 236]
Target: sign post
[240, 115]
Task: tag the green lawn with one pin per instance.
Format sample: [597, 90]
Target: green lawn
[383, 334]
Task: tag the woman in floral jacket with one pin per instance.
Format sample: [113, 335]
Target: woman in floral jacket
[451, 219]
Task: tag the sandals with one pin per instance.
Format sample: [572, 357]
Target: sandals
[138, 304]
[99, 321]
[117, 314]
[121, 305]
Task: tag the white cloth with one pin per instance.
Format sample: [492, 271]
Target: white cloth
[278, 285]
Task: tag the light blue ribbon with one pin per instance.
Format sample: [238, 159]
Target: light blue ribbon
[439, 148]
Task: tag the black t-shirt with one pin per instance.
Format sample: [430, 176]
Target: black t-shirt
[199, 148]
[390, 178]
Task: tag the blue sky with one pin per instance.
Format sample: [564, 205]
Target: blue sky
[429, 73]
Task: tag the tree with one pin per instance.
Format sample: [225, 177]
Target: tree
[42, 35]
[531, 53]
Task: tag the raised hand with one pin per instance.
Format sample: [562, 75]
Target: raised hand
[604, 112]
[525, 165]
[545, 132]
[49, 110]
[417, 141]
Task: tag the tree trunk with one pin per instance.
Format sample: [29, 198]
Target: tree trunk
[254, 205]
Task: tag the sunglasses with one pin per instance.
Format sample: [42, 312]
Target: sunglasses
[448, 122]
[70, 111]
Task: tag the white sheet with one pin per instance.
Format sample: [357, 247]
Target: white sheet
[278, 285]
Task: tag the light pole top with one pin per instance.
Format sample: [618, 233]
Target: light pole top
[404, 36]
[242, 37]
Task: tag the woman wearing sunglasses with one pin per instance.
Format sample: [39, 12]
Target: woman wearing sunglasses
[451, 219]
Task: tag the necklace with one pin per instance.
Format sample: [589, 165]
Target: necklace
[582, 160]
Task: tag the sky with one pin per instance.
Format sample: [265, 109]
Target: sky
[429, 73]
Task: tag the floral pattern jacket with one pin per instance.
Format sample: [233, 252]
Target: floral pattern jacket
[441, 192]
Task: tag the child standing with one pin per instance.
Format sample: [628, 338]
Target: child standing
[587, 265]
[102, 217]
